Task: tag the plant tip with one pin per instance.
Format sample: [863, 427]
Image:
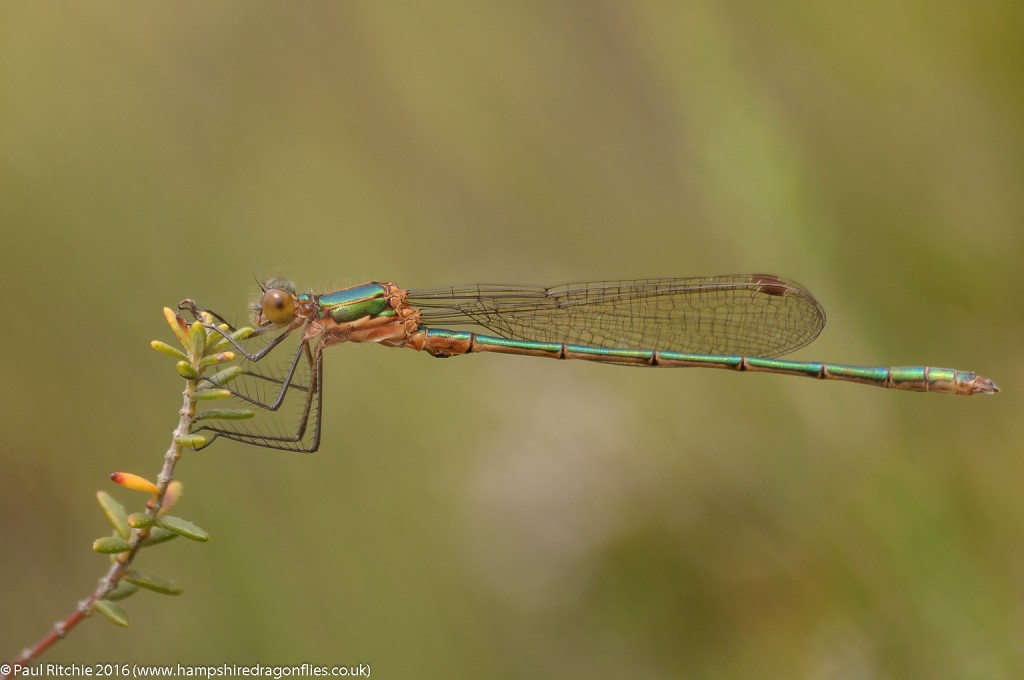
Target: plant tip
[134, 482]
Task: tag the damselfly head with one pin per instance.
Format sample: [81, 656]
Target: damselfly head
[277, 306]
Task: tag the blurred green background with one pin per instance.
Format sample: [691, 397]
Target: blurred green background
[497, 517]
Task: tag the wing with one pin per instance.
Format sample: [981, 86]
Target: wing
[744, 314]
[284, 389]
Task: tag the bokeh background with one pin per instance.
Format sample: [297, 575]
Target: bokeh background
[497, 517]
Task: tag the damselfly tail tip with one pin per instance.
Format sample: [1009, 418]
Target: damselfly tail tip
[983, 385]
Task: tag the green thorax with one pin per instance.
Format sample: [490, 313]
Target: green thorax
[369, 299]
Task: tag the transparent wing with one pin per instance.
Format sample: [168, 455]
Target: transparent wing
[746, 314]
[284, 388]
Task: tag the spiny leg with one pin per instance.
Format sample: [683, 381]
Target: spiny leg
[306, 437]
[228, 335]
[283, 384]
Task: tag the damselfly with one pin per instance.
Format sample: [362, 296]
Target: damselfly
[738, 322]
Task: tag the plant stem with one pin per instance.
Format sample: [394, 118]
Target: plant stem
[123, 560]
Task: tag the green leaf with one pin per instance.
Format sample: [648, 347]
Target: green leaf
[158, 536]
[216, 358]
[112, 611]
[237, 335]
[190, 441]
[225, 376]
[213, 338]
[137, 520]
[123, 590]
[226, 414]
[242, 333]
[182, 527]
[210, 393]
[151, 582]
[167, 349]
[185, 370]
[197, 339]
[110, 545]
[115, 512]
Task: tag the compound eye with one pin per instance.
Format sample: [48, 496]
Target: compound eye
[278, 305]
[283, 284]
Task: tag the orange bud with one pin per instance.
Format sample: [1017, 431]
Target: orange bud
[130, 481]
[178, 325]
